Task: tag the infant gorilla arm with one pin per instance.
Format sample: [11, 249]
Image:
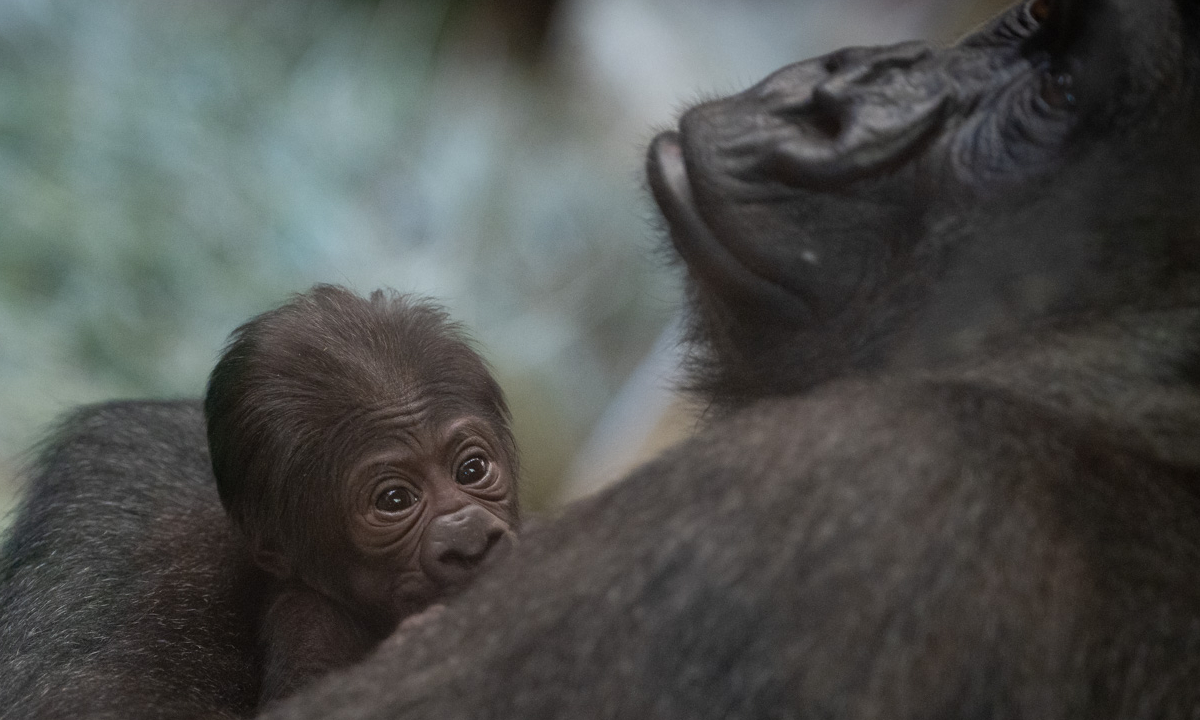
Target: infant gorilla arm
[304, 636]
[363, 450]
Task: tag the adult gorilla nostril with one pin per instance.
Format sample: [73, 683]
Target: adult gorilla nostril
[857, 64]
[847, 59]
[826, 113]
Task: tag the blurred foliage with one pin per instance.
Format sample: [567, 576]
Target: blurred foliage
[168, 169]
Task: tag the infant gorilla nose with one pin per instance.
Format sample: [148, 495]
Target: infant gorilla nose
[458, 544]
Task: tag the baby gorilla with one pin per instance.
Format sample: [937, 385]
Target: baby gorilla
[363, 450]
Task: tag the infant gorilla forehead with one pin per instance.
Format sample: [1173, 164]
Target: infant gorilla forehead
[363, 449]
[439, 493]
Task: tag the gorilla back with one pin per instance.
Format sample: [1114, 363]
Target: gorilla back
[947, 303]
[122, 581]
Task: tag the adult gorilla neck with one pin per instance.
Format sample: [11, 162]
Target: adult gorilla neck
[1058, 360]
[1133, 376]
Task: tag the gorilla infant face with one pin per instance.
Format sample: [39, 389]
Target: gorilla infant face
[363, 448]
[428, 501]
[824, 196]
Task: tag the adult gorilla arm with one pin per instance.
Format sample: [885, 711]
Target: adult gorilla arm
[123, 588]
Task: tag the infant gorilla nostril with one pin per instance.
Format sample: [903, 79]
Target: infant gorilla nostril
[472, 550]
[458, 544]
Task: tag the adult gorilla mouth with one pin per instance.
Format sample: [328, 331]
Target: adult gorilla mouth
[774, 196]
[707, 257]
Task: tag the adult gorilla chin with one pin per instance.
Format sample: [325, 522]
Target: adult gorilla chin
[947, 303]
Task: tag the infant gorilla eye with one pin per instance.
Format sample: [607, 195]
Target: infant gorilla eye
[472, 470]
[1039, 10]
[395, 500]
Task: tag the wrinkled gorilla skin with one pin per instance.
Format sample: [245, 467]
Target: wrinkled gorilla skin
[948, 308]
[123, 587]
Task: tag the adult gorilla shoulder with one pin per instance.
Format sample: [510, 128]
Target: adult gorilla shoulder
[948, 300]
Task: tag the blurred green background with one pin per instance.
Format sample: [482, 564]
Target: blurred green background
[169, 168]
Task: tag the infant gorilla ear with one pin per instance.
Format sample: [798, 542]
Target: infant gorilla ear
[363, 449]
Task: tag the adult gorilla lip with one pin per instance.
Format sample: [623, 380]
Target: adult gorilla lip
[694, 240]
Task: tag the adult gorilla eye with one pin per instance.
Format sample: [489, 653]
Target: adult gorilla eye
[1056, 90]
[395, 500]
[1039, 10]
[472, 470]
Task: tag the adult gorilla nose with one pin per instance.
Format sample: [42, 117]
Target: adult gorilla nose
[458, 544]
[839, 76]
[838, 118]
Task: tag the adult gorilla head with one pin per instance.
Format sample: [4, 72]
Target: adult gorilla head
[905, 204]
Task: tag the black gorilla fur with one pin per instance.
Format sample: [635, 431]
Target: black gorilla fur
[947, 308]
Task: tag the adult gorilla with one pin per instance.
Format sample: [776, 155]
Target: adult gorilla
[949, 310]
[950, 305]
